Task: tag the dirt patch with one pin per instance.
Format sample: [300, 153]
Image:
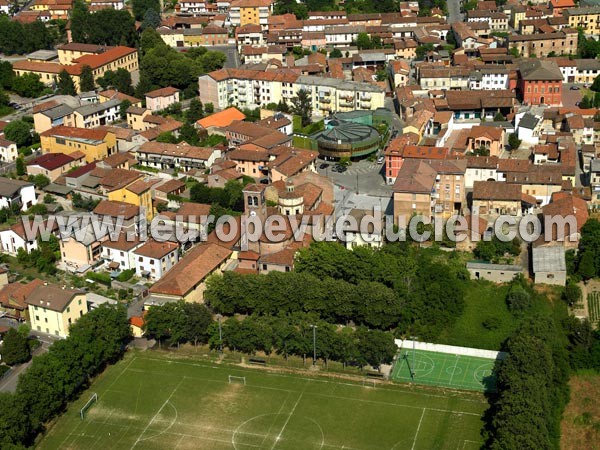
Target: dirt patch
[581, 420]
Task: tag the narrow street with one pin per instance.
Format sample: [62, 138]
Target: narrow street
[454, 14]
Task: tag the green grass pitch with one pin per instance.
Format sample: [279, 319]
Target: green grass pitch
[148, 401]
[445, 370]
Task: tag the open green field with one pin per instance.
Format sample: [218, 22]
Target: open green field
[445, 370]
[151, 401]
[486, 321]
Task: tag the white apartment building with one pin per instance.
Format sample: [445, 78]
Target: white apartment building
[121, 252]
[489, 79]
[154, 259]
[192, 6]
[94, 114]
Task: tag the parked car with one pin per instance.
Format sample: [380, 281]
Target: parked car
[380, 160]
[574, 88]
[323, 166]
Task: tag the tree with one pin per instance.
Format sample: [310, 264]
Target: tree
[139, 7]
[586, 102]
[209, 108]
[596, 84]
[28, 85]
[86, 79]
[422, 50]
[302, 106]
[363, 41]
[451, 39]
[499, 117]
[120, 80]
[189, 134]
[335, 53]
[19, 132]
[198, 319]
[41, 181]
[144, 86]
[15, 349]
[194, 112]
[6, 75]
[572, 293]
[514, 52]
[65, 84]
[123, 107]
[151, 19]
[513, 141]
[20, 166]
[587, 266]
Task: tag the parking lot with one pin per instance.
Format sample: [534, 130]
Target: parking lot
[365, 177]
[571, 95]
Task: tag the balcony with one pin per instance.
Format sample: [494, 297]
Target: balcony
[347, 103]
[366, 98]
[366, 105]
[324, 100]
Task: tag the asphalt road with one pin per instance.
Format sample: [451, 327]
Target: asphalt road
[454, 14]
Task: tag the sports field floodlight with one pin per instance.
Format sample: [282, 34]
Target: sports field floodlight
[314, 328]
[412, 371]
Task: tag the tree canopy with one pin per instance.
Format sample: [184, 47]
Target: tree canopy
[104, 27]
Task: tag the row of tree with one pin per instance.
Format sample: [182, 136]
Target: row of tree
[103, 27]
[532, 388]
[391, 288]
[58, 376]
[585, 264]
[176, 323]
[21, 38]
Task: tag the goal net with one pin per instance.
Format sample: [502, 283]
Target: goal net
[369, 382]
[237, 380]
[93, 399]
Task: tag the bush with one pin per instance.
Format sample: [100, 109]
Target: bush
[103, 278]
[126, 275]
[3, 370]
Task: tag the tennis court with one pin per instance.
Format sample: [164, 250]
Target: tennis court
[446, 370]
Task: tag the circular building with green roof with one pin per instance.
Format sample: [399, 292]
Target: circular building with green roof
[348, 139]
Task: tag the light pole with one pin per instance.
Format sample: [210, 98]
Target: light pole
[412, 372]
[220, 334]
[314, 328]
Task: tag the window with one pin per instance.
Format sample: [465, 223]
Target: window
[37, 318]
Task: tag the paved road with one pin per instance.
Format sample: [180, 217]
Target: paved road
[233, 57]
[10, 380]
[454, 14]
[570, 97]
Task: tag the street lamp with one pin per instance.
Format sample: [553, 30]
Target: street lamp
[314, 328]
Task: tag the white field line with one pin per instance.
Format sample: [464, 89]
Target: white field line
[287, 420]
[155, 416]
[418, 428]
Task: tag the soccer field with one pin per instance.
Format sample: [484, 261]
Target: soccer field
[148, 401]
[445, 370]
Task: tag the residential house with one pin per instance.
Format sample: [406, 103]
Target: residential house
[13, 296]
[540, 82]
[497, 198]
[94, 114]
[487, 139]
[120, 253]
[18, 193]
[153, 259]
[8, 151]
[50, 114]
[587, 18]
[53, 309]
[51, 165]
[176, 156]
[545, 44]
[162, 98]
[95, 144]
[254, 12]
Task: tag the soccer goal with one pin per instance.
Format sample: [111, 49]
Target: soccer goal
[369, 383]
[237, 380]
[93, 399]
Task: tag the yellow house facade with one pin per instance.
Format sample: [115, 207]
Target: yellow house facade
[95, 144]
[137, 193]
[53, 310]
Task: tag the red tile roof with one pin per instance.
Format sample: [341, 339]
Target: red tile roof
[51, 161]
[163, 92]
[77, 133]
[222, 119]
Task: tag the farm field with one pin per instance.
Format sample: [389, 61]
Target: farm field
[154, 400]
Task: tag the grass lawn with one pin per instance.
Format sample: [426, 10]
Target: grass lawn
[154, 400]
[486, 321]
[5, 110]
[580, 428]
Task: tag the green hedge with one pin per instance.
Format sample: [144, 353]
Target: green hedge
[103, 278]
[126, 275]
